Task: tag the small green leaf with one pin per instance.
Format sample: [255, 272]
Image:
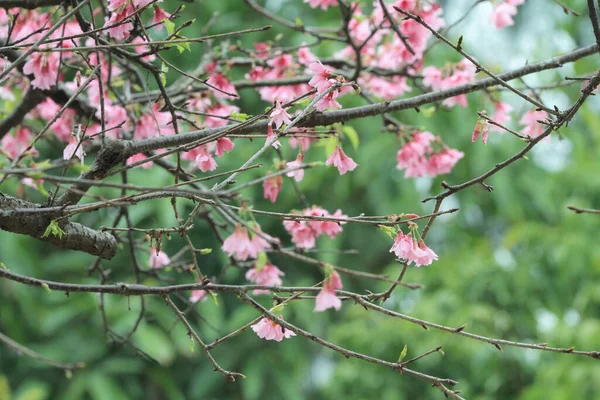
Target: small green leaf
[192, 344]
[68, 373]
[46, 287]
[388, 230]
[206, 251]
[240, 116]
[54, 230]
[3, 266]
[299, 22]
[352, 135]
[403, 353]
[214, 298]
[330, 145]
[428, 112]
[261, 261]
[169, 25]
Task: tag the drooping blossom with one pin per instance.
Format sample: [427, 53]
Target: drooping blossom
[532, 127]
[268, 275]
[154, 123]
[271, 187]
[120, 23]
[329, 101]
[74, 148]
[139, 157]
[223, 144]
[271, 136]
[442, 162]
[341, 161]
[304, 233]
[503, 13]
[240, 246]
[198, 295]
[223, 111]
[481, 129]
[279, 116]
[324, 4]
[270, 330]
[159, 16]
[407, 247]
[501, 115]
[326, 297]
[219, 81]
[463, 72]
[44, 68]
[201, 157]
[320, 80]
[423, 155]
[298, 174]
[158, 259]
[305, 56]
[13, 146]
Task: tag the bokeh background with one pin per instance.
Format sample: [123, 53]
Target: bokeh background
[514, 264]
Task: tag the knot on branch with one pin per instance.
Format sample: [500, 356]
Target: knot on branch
[111, 153]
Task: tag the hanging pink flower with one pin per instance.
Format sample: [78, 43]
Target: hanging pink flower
[406, 247]
[15, 145]
[270, 330]
[271, 187]
[298, 174]
[341, 161]
[268, 275]
[442, 162]
[44, 68]
[501, 115]
[223, 144]
[320, 80]
[481, 129]
[303, 235]
[328, 102]
[503, 14]
[324, 4]
[154, 123]
[121, 21]
[240, 246]
[201, 157]
[219, 81]
[158, 259]
[271, 136]
[279, 116]
[305, 56]
[198, 295]
[139, 157]
[159, 16]
[326, 298]
[532, 127]
[74, 148]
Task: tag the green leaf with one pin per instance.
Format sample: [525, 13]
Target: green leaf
[163, 73]
[428, 112]
[330, 145]
[352, 135]
[204, 252]
[3, 266]
[241, 116]
[388, 230]
[4, 388]
[46, 287]
[403, 353]
[261, 261]
[213, 297]
[192, 344]
[54, 230]
[299, 22]
[169, 25]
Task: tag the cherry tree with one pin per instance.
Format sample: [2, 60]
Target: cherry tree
[91, 79]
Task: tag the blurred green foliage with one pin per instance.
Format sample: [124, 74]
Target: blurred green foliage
[514, 264]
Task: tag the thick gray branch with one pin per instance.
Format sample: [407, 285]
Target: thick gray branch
[76, 237]
[29, 4]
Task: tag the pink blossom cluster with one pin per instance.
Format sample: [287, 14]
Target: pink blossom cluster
[202, 157]
[271, 187]
[419, 156]
[158, 259]
[267, 275]
[326, 297]
[242, 247]
[503, 13]
[271, 330]
[120, 24]
[408, 248]
[461, 73]
[305, 233]
[341, 161]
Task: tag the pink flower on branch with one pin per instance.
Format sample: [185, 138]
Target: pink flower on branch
[268, 275]
[44, 68]
[481, 129]
[532, 127]
[198, 295]
[407, 247]
[223, 144]
[270, 330]
[341, 161]
[279, 116]
[298, 174]
[326, 297]
[158, 259]
[271, 187]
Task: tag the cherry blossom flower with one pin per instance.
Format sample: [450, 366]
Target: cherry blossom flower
[219, 81]
[44, 68]
[158, 259]
[303, 236]
[223, 144]
[240, 246]
[442, 162]
[305, 56]
[159, 16]
[304, 233]
[15, 145]
[221, 110]
[121, 29]
[532, 127]
[279, 116]
[326, 297]
[74, 148]
[320, 80]
[501, 115]
[270, 330]
[324, 4]
[328, 102]
[341, 161]
[268, 275]
[481, 129]
[154, 123]
[271, 136]
[503, 14]
[139, 157]
[407, 247]
[298, 174]
[201, 157]
[271, 187]
[197, 296]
